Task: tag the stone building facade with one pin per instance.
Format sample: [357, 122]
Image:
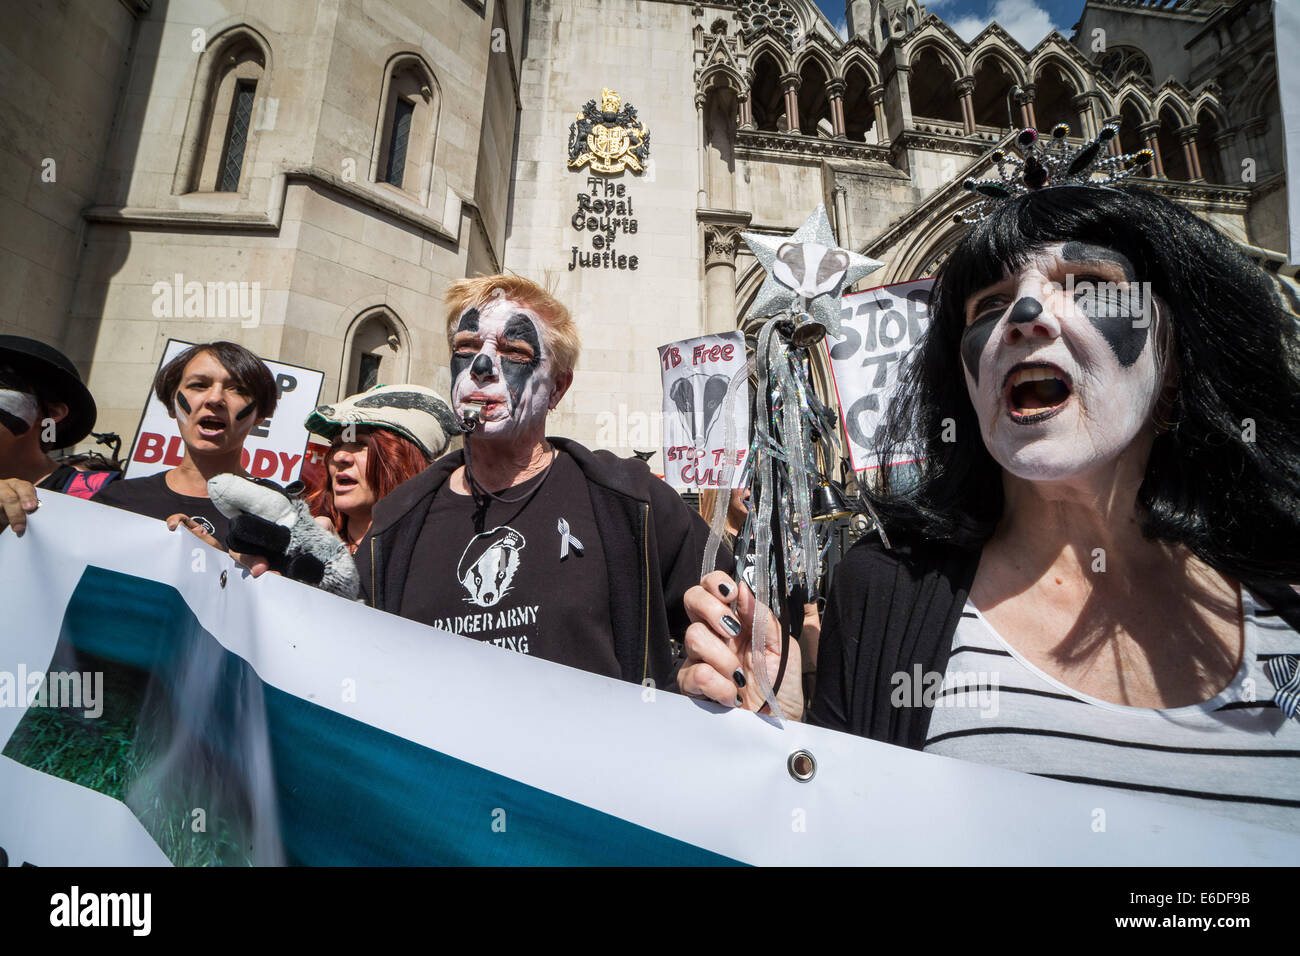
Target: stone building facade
[339, 163]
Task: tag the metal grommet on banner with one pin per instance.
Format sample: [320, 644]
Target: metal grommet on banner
[802, 765]
[223, 579]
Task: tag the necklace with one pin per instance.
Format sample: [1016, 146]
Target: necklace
[481, 494]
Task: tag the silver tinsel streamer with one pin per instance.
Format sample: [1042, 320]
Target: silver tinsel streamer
[764, 492]
[784, 473]
[799, 301]
[718, 520]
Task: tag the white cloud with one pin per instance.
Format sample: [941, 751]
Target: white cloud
[842, 28]
[1023, 19]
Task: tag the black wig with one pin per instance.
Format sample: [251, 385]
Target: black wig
[1223, 478]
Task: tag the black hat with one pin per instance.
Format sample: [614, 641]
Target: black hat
[54, 379]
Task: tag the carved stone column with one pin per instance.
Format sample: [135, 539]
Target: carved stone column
[1087, 122]
[1253, 130]
[702, 194]
[720, 244]
[835, 94]
[1224, 143]
[790, 87]
[1150, 138]
[1026, 100]
[842, 226]
[746, 112]
[877, 97]
[965, 88]
[1115, 146]
[1187, 139]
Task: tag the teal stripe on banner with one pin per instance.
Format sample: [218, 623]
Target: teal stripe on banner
[350, 793]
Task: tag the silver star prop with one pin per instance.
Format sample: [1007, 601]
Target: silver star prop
[806, 271]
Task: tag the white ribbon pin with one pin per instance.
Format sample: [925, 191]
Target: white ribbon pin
[567, 539]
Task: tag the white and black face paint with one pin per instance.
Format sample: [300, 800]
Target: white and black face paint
[1062, 382]
[18, 411]
[501, 368]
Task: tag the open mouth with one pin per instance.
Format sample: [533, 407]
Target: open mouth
[483, 404]
[210, 426]
[344, 483]
[1036, 391]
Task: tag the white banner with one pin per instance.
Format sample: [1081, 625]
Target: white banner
[274, 450]
[352, 736]
[886, 323]
[696, 374]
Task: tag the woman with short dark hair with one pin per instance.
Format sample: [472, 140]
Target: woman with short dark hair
[218, 393]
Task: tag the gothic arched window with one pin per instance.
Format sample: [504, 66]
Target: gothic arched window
[217, 149]
[408, 121]
[375, 354]
[1119, 61]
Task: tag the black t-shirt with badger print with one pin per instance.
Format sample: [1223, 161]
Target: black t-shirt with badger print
[511, 585]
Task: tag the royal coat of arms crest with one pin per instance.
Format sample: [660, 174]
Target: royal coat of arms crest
[609, 137]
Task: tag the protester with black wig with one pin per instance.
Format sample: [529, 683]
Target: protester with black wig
[1091, 578]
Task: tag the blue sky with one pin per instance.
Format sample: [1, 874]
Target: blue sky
[1026, 20]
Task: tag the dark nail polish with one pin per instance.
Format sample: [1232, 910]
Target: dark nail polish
[731, 624]
[739, 677]
[724, 589]
[739, 701]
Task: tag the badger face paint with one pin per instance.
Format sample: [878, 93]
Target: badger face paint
[1061, 382]
[501, 368]
[213, 411]
[18, 411]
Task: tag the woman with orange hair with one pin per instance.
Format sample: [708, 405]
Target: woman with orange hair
[379, 439]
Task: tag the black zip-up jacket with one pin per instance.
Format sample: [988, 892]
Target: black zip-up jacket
[653, 545]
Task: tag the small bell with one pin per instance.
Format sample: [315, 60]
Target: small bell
[829, 503]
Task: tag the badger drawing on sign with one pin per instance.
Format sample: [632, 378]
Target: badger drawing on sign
[698, 399]
[810, 268]
[489, 564]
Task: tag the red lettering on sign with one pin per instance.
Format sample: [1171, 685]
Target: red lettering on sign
[175, 452]
[264, 463]
[150, 448]
[288, 461]
[712, 353]
[313, 466]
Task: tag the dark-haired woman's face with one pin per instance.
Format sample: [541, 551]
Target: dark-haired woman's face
[1060, 364]
[214, 412]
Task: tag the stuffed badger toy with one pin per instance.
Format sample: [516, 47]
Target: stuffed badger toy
[265, 520]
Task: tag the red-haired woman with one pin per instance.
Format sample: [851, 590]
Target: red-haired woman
[379, 439]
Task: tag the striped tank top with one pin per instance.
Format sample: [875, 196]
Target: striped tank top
[1237, 754]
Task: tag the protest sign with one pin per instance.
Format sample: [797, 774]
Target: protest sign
[878, 329]
[696, 374]
[273, 450]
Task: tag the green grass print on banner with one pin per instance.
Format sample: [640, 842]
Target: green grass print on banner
[182, 714]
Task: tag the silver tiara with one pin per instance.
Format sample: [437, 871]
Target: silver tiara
[1047, 164]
